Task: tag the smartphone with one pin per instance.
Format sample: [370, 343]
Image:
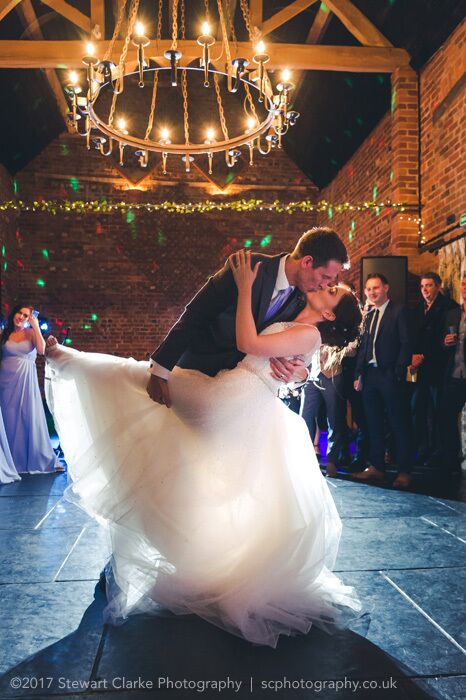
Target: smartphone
[35, 313]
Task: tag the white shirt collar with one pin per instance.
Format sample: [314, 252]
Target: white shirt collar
[282, 280]
[382, 308]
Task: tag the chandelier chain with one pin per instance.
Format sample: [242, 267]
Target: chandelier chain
[121, 66]
[175, 25]
[250, 101]
[230, 21]
[184, 89]
[183, 20]
[223, 25]
[221, 112]
[116, 31]
[247, 18]
[150, 122]
[159, 21]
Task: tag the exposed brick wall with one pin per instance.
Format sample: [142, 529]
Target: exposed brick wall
[443, 119]
[388, 159]
[136, 272]
[8, 221]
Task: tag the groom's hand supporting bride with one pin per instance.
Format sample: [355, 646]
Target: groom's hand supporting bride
[157, 388]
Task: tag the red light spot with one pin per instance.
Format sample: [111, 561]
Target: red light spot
[20, 264]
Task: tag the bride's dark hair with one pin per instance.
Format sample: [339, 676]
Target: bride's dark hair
[347, 324]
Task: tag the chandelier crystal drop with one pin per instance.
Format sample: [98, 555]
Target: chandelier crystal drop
[242, 110]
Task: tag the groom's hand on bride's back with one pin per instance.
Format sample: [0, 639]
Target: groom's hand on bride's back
[157, 388]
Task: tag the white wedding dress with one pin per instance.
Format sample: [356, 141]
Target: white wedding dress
[215, 506]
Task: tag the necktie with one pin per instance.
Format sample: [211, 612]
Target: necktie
[278, 302]
[370, 350]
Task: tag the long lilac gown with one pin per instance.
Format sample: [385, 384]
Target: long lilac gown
[23, 412]
[8, 472]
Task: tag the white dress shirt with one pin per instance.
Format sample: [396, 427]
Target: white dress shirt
[381, 310]
[280, 284]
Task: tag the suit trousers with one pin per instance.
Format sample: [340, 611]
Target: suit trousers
[425, 404]
[452, 403]
[383, 395]
[332, 394]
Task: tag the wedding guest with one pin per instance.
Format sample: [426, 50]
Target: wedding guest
[8, 472]
[329, 389]
[383, 357]
[428, 364]
[20, 398]
[453, 396]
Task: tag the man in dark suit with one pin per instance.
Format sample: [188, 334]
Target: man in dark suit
[454, 389]
[383, 357]
[204, 336]
[428, 364]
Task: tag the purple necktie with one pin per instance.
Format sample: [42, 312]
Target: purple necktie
[277, 303]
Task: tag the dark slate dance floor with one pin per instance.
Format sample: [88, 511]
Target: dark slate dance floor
[404, 552]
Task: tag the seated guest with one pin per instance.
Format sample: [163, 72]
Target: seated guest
[454, 389]
[383, 357]
[428, 364]
[329, 389]
[20, 399]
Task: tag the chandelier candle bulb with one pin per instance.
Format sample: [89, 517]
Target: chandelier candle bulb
[205, 40]
[261, 58]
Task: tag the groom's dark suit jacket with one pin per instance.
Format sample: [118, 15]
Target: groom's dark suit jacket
[204, 337]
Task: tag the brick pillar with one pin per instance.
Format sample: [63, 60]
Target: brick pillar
[405, 155]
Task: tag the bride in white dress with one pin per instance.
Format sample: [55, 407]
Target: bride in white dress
[216, 506]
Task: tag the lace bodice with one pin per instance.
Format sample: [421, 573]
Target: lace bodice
[261, 365]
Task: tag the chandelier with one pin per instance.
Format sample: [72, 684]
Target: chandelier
[261, 115]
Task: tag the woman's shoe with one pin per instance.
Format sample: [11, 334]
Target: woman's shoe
[331, 470]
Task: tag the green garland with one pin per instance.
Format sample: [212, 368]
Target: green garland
[66, 206]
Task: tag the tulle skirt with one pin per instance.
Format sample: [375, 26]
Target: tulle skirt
[215, 506]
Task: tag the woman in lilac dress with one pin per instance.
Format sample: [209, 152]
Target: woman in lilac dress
[20, 398]
[8, 473]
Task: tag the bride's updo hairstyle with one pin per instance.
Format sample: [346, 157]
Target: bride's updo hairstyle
[347, 324]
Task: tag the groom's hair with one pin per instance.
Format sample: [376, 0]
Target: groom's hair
[323, 244]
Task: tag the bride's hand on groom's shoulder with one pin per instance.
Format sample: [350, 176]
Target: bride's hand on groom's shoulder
[240, 265]
[50, 343]
[157, 388]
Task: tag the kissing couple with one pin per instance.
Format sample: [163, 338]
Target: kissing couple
[207, 482]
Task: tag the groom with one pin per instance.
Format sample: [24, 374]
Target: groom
[204, 336]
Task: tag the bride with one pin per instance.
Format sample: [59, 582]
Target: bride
[216, 506]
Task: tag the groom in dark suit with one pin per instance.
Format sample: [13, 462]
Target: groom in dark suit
[204, 336]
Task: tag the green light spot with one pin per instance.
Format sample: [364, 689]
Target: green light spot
[393, 103]
[323, 7]
[248, 243]
[328, 139]
[45, 253]
[15, 187]
[353, 225]
[265, 241]
[375, 189]
[349, 82]
[377, 211]
[350, 236]
[74, 184]
[86, 326]
[5, 265]
[229, 178]
[359, 121]
[330, 213]
[391, 175]
[130, 216]
[3, 250]
[65, 151]
[161, 238]
[40, 282]
[94, 317]
[333, 161]
[381, 79]
[68, 341]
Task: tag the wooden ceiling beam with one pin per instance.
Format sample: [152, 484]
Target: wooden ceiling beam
[357, 23]
[319, 25]
[288, 12]
[70, 13]
[68, 54]
[7, 6]
[28, 19]
[98, 18]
